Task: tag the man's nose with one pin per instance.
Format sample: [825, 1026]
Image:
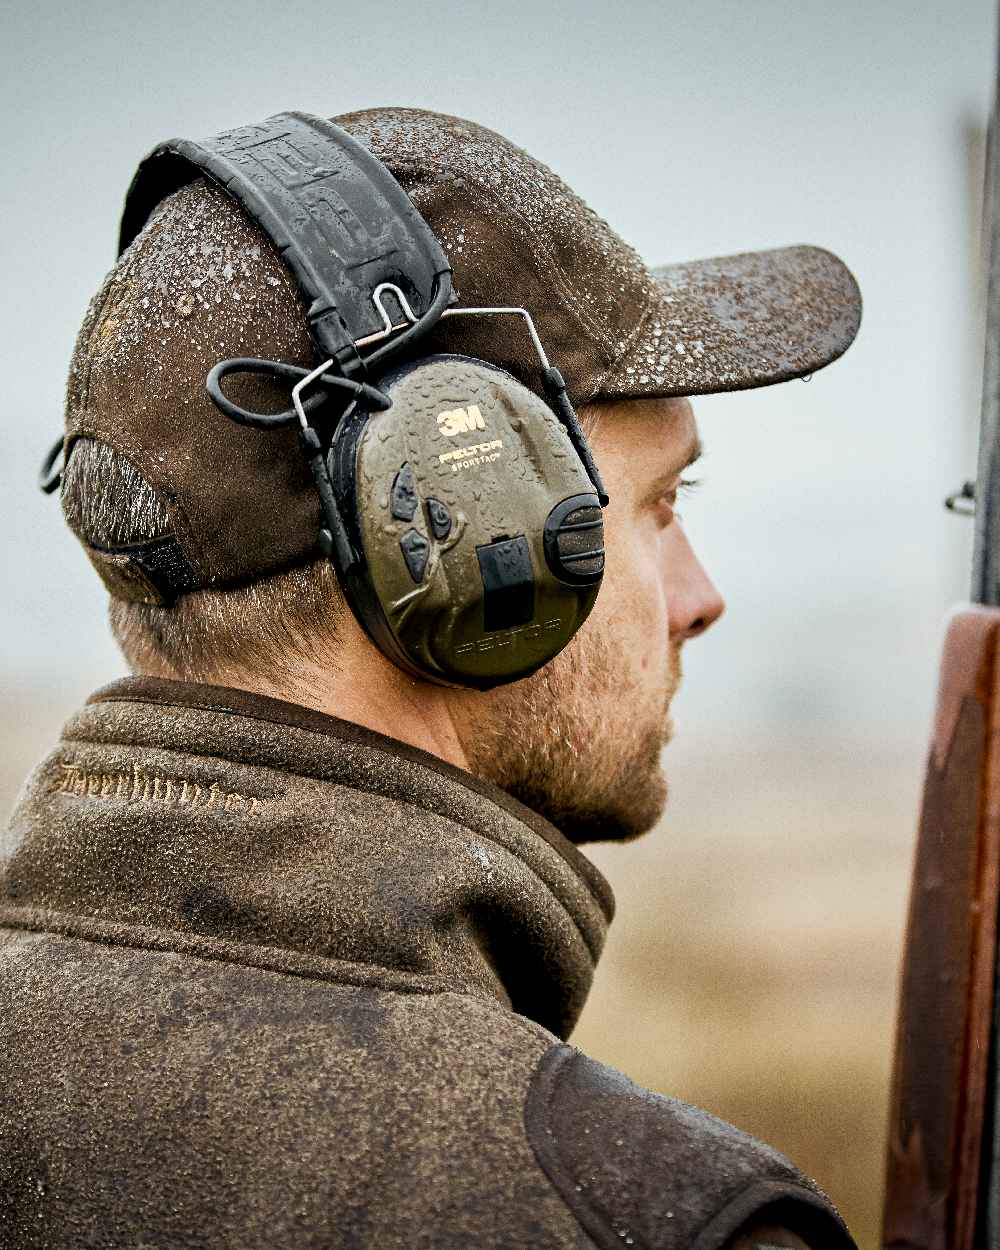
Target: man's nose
[694, 600]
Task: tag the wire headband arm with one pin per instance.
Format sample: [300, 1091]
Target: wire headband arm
[373, 398]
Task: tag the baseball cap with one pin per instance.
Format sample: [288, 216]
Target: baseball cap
[201, 283]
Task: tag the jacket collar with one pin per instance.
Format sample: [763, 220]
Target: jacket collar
[232, 826]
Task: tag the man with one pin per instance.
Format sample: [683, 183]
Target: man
[293, 938]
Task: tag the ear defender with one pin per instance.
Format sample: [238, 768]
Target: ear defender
[477, 530]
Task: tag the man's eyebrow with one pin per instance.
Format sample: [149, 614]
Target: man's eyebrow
[665, 480]
[696, 453]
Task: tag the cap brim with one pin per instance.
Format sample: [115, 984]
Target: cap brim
[735, 322]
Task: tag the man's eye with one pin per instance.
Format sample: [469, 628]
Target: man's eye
[684, 486]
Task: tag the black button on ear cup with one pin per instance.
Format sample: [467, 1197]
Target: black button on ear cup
[415, 549]
[439, 517]
[574, 540]
[508, 583]
[403, 497]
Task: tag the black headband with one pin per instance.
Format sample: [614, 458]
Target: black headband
[319, 195]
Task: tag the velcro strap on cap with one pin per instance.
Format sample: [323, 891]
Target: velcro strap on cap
[338, 218]
[154, 572]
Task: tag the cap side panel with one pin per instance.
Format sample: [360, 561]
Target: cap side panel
[555, 272]
[484, 280]
[81, 423]
[200, 284]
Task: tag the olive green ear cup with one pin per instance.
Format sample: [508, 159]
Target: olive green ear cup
[480, 533]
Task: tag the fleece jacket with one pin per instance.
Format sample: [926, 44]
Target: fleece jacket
[271, 981]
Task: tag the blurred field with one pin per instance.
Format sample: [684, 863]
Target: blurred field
[752, 965]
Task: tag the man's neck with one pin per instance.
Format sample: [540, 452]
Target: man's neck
[358, 684]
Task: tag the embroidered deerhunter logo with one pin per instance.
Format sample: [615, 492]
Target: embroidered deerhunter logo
[139, 786]
[461, 420]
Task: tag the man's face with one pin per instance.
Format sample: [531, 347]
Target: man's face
[580, 741]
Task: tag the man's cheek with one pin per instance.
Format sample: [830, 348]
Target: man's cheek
[656, 633]
[656, 609]
[648, 637]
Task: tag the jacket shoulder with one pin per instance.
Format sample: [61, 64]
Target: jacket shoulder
[637, 1168]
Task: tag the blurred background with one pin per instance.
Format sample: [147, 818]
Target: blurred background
[752, 967]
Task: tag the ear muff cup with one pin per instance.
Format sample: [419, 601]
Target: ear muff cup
[479, 533]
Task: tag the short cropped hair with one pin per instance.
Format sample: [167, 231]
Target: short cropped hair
[263, 627]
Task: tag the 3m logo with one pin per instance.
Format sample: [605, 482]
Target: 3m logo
[461, 420]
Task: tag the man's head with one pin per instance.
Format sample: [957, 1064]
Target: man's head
[229, 514]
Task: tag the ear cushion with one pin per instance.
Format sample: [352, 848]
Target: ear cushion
[478, 527]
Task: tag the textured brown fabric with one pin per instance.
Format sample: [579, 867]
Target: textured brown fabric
[635, 1166]
[202, 283]
[244, 704]
[172, 1102]
[270, 979]
[736, 322]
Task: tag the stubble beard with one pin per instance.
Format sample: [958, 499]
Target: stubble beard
[580, 741]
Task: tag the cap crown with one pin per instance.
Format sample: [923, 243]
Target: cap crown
[201, 283]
